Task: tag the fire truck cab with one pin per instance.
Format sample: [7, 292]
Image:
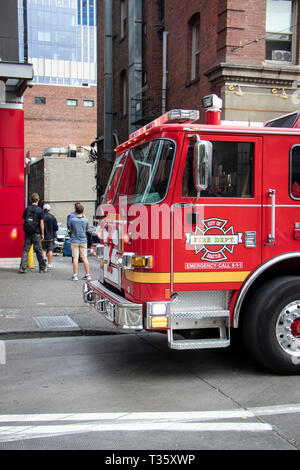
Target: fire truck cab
[200, 234]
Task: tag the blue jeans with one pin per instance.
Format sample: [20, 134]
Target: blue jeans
[35, 240]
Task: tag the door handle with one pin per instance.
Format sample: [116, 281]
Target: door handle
[271, 236]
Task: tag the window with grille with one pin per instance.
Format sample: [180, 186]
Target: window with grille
[280, 29]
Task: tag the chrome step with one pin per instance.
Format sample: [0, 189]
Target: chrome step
[200, 320]
[199, 344]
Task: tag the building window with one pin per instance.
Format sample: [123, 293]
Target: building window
[123, 18]
[91, 13]
[88, 103]
[39, 100]
[161, 11]
[194, 47]
[44, 36]
[195, 51]
[279, 30]
[86, 12]
[72, 102]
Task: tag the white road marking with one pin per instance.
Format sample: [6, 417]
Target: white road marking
[17, 433]
[276, 409]
[59, 417]
[161, 415]
[159, 421]
[157, 416]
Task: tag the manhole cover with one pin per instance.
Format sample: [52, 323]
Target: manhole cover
[63, 321]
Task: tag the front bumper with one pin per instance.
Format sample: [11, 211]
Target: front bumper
[113, 307]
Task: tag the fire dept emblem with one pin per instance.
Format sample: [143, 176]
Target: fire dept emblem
[214, 239]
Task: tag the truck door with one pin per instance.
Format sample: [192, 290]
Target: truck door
[281, 195]
[220, 241]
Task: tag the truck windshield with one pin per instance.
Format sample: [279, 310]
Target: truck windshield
[114, 179]
[146, 172]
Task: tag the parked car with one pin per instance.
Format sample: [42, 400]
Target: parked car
[62, 234]
[93, 241]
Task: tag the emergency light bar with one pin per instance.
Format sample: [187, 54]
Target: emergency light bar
[174, 116]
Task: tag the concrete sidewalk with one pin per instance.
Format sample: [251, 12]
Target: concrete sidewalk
[51, 304]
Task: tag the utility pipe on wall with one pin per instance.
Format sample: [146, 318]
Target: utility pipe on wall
[108, 83]
[164, 73]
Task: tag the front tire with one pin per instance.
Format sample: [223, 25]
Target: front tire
[271, 325]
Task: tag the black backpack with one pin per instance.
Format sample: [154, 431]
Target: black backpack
[31, 221]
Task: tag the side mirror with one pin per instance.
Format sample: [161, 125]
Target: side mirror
[202, 164]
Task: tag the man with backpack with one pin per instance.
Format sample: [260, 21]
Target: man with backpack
[33, 227]
[50, 229]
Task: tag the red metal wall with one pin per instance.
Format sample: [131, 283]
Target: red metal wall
[11, 182]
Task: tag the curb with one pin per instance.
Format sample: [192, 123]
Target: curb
[31, 334]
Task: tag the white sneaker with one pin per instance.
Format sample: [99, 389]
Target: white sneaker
[87, 277]
[74, 277]
[50, 266]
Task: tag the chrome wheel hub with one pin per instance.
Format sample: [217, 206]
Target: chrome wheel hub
[288, 328]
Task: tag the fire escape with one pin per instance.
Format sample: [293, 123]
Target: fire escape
[146, 106]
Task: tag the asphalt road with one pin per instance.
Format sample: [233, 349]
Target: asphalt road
[130, 392]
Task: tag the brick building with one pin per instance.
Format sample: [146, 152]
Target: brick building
[156, 55]
[59, 39]
[57, 116]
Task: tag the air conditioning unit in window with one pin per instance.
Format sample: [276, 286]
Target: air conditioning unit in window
[285, 56]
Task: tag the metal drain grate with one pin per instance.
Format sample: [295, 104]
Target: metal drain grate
[62, 321]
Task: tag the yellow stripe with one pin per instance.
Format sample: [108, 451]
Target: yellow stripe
[148, 278]
[222, 276]
[184, 278]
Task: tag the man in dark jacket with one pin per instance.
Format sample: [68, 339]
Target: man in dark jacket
[34, 233]
[51, 227]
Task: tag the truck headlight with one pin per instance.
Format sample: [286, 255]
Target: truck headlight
[142, 262]
[159, 322]
[131, 261]
[158, 314]
[159, 309]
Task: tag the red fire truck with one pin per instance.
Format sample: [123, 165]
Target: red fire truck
[200, 235]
